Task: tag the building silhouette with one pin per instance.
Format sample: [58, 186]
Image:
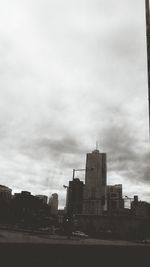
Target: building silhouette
[5, 201]
[115, 202]
[53, 204]
[140, 208]
[5, 193]
[74, 197]
[95, 183]
[28, 210]
[42, 198]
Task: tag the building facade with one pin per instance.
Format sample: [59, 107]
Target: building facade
[95, 183]
[140, 208]
[29, 211]
[5, 201]
[74, 197]
[115, 202]
[42, 198]
[53, 204]
[5, 193]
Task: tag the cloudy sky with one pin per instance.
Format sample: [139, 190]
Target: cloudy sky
[73, 73]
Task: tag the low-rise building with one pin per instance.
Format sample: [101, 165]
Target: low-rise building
[42, 198]
[29, 210]
[5, 193]
[140, 208]
[5, 202]
[114, 198]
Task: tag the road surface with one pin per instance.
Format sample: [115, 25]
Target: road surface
[21, 249]
[10, 236]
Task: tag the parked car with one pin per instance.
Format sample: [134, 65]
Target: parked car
[45, 229]
[79, 234]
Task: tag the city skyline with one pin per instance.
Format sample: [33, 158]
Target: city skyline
[73, 73]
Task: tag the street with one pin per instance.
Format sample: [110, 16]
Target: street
[25, 250]
[11, 236]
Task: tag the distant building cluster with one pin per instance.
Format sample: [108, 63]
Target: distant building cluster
[94, 197]
[98, 208]
[92, 206]
[27, 210]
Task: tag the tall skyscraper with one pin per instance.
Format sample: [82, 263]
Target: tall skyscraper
[95, 183]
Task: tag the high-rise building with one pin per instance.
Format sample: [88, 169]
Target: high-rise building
[114, 198]
[95, 183]
[53, 203]
[74, 197]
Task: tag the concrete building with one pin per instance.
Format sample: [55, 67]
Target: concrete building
[28, 210]
[115, 202]
[104, 226]
[53, 203]
[42, 198]
[5, 193]
[61, 215]
[140, 208]
[74, 197]
[5, 203]
[95, 183]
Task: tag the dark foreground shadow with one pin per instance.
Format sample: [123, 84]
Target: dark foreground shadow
[45, 255]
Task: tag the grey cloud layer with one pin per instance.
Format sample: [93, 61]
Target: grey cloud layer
[72, 72]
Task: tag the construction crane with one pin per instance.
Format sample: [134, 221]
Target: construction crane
[80, 170]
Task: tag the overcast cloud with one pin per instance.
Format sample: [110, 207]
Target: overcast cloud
[71, 73]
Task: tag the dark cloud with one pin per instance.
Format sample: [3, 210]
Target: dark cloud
[127, 156]
[72, 73]
[63, 146]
